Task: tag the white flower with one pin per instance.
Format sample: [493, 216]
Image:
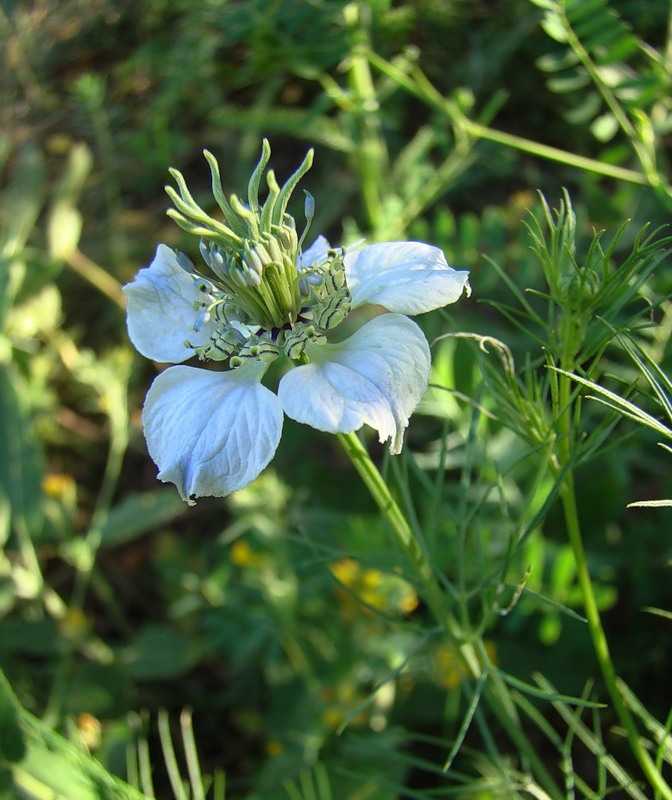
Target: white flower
[211, 433]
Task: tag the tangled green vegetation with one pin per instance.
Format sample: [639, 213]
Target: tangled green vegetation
[481, 616]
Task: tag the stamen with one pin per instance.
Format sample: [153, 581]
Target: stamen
[263, 254]
[236, 275]
[255, 277]
[251, 258]
[218, 263]
[274, 251]
[251, 276]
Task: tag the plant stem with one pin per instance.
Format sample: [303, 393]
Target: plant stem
[419, 86]
[371, 152]
[494, 689]
[96, 276]
[549, 153]
[598, 636]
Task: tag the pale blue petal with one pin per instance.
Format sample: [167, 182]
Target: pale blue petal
[160, 310]
[211, 433]
[405, 277]
[377, 376]
[317, 253]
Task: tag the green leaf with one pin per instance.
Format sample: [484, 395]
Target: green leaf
[544, 694]
[64, 230]
[21, 462]
[5, 783]
[64, 225]
[12, 743]
[21, 202]
[55, 768]
[37, 316]
[139, 513]
[5, 516]
[650, 504]
[37, 637]
[158, 652]
[586, 9]
[552, 25]
[659, 732]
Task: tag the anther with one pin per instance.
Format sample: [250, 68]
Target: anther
[251, 276]
[251, 258]
[275, 252]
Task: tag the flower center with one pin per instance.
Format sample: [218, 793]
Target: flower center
[262, 278]
[259, 297]
[263, 306]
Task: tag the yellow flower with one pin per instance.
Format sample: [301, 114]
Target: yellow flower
[345, 571]
[274, 748]
[242, 555]
[449, 668]
[58, 485]
[89, 729]
[374, 588]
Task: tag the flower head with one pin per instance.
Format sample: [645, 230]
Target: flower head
[260, 298]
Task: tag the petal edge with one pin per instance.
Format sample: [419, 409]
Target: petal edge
[376, 377]
[211, 433]
[403, 277]
[160, 313]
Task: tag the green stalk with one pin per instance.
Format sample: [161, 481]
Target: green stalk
[643, 147]
[608, 96]
[96, 276]
[554, 154]
[598, 636]
[371, 152]
[494, 689]
[419, 86]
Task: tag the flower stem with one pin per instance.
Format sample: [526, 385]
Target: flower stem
[495, 691]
